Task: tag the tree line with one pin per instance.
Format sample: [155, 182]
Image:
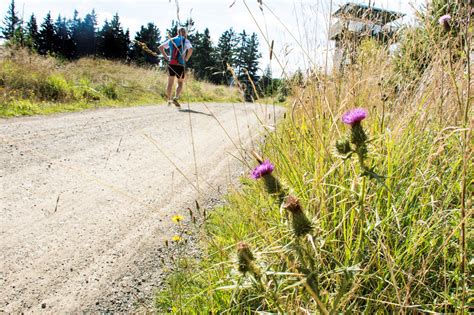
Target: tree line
[81, 37]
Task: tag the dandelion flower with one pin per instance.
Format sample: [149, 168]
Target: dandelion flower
[177, 218]
[263, 169]
[354, 116]
[176, 238]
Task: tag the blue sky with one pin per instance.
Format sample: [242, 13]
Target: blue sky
[298, 27]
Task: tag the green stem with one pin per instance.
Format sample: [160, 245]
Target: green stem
[466, 151]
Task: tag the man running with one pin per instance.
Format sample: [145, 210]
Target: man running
[179, 50]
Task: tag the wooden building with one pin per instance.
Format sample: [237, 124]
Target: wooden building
[354, 22]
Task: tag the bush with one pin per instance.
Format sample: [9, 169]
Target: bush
[55, 88]
[110, 91]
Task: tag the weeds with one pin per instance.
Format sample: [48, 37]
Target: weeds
[334, 236]
[32, 84]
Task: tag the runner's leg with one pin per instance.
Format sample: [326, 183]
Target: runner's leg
[180, 87]
[169, 89]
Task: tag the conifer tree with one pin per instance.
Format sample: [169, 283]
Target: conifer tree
[113, 41]
[74, 29]
[266, 82]
[251, 56]
[149, 35]
[202, 61]
[247, 63]
[63, 44]
[240, 54]
[46, 37]
[11, 22]
[224, 54]
[32, 34]
[87, 37]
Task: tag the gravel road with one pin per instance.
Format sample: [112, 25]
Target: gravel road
[87, 198]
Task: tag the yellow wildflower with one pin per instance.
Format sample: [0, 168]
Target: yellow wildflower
[176, 238]
[177, 218]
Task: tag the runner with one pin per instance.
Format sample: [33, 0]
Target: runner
[179, 50]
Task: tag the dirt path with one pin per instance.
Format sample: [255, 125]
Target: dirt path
[86, 199]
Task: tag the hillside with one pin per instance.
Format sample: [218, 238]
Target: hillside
[31, 84]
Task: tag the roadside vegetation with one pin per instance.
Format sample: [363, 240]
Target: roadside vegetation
[105, 65]
[361, 200]
[31, 84]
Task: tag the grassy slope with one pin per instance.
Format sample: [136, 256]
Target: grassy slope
[31, 84]
[377, 246]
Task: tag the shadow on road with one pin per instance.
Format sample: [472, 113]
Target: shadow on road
[194, 112]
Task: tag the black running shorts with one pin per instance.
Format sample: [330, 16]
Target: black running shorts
[176, 70]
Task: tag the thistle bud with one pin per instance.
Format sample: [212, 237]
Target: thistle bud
[301, 224]
[272, 184]
[343, 146]
[246, 260]
[358, 136]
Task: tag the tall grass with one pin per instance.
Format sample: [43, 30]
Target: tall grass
[32, 84]
[399, 242]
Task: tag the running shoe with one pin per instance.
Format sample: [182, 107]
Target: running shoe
[176, 103]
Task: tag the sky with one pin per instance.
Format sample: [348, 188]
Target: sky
[297, 27]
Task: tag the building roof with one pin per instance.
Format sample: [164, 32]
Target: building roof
[362, 11]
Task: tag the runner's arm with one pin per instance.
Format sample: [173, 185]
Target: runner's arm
[162, 48]
[188, 54]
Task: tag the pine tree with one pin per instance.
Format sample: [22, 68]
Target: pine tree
[32, 34]
[87, 37]
[195, 39]
[11, 22]
[240, 54]
[203, 61]
[84, 34]
[190, 29]
[247, 63]
[19, 35]
[251, 57]
[46, 37]
[173, 30]
[224, 54]
[150, 35]
[266, 82]
[175, 25]
[113, 41]
[63, 43]
[74, 29]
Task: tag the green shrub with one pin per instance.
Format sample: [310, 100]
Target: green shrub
[83, 90]
[110, 91]
[55, 88]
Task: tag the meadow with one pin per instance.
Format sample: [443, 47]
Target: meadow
[31, 84]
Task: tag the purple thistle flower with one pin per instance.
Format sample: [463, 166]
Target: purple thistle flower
[444, 19]
[354, 116]
[263, 169]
